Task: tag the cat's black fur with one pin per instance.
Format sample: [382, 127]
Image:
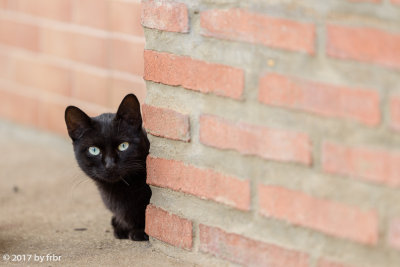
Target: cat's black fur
[119, 175]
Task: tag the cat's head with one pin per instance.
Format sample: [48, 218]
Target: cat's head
[110, 146]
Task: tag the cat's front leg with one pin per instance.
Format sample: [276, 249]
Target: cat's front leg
[120, 231]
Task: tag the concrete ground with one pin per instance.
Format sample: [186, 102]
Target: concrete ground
[48, 206]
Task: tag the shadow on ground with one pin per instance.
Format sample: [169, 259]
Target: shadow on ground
[47, 206]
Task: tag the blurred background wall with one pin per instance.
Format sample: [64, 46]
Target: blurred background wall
[55, 53]
[275, 125]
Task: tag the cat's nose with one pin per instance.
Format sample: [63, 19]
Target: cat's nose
[109, 163]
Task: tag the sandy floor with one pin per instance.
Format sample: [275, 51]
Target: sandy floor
[47, 206]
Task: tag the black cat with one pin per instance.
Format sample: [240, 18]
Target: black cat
[112, 149]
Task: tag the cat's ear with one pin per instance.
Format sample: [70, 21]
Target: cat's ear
[129, 111]
[77, 122]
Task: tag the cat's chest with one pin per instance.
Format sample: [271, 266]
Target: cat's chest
[116, 199]
[124, 199]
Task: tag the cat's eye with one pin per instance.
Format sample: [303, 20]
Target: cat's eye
[94, 150]
[123, 146]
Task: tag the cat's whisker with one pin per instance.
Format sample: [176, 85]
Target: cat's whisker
[125, 181]
[77, 179]
[76, 184]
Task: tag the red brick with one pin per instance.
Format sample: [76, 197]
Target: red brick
[90, 109]
[204, 183]
[322, 99]
[374, 165]
[193, 74]
[19, 34]
[92, 13]
[105, 90]
[394, 233]
[74, 46]
[241, 25]
[19, 107]
[165, 15]
[395, 112]
[332, 218]
[125, 17]
[166, 123]
[52, 109]
[51, 9]
[168, 227]
[246, 251]
[51, 115]
[91, 88]
[43, 76]
[127, 56]
[364, 44]
[249, 139]
[120, 88]
[329, 263]
[366, 1]
[7, 65]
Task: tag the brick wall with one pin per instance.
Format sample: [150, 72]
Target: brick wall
[275, 131]
[275, 125]
[55, 53]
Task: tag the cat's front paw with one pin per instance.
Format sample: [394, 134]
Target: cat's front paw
[138, 235]
[119, 232]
